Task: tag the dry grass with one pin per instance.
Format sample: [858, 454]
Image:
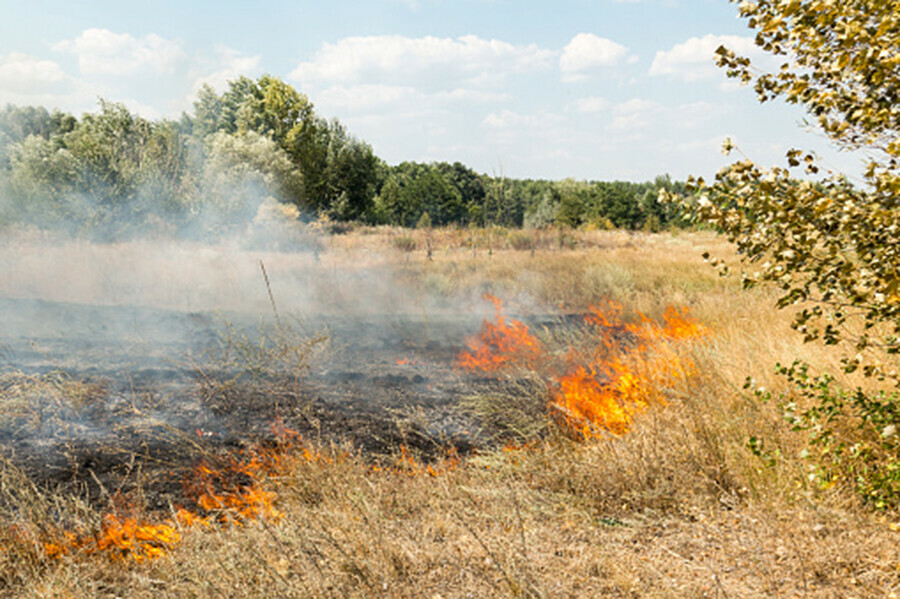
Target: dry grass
[677, 507]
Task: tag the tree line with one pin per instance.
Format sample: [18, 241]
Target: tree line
[114, 173]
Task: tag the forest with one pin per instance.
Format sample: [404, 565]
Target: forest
[113, 174]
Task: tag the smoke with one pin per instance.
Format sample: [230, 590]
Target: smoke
[158, 304]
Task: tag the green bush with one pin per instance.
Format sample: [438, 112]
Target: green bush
[405, 243]
[853, 435]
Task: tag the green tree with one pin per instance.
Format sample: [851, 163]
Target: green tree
[240, 169]
[828, 241]
[109, 147]
[280, 111]
[238, 104]
[831, 246]
[207, 112]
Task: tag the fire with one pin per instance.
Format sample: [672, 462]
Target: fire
[626, 367]
[229, 493]
[586, 399]
[407, 464]
[120, 537]
[138, 540]
[680, 325]
[500, 344]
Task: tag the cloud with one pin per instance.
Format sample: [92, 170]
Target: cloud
[634, 114]
[587, 52]
[24, 74]
[507, 125]
[591, 104]
[428, 61]
[399, 98]
[103, 52]
[29, 81]
[694, 59]
[228, 64]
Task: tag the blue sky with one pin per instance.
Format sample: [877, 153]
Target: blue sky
[591, 89]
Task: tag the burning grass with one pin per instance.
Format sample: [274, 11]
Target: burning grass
[622, 467]
[614, 370]
[231, 490]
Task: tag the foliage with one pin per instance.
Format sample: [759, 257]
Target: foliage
[405, 243]
[830, 245]
[853, 434]
[111, 172]
[521, 241]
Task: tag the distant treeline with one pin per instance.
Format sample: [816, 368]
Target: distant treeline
[115, 173]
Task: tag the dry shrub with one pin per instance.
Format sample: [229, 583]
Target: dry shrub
[272, 360]
[521, 241]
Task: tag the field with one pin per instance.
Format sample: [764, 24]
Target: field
[262, 422]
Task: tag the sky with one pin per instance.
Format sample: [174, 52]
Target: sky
[589, 89]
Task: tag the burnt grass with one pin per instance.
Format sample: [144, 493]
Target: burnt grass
[127, 400]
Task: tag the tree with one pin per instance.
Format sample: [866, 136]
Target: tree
[207, 112]
[240, 169]
[280, 111]
[109, 147]
[828, 244]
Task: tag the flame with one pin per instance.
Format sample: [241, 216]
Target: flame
[138, 540]
[406, 362]
[625, 376]
[120, 537]
[500, 344]
[626, 368]
[228, 493]
[680, 325]
[232, 501]
[407, 464]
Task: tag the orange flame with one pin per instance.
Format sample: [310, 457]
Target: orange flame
[500, 344]
[601, 389]
[120, 538]
[407, 464]
[230, 494]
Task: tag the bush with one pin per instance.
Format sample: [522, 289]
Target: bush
[853, 436]
[405, 243]
[521, 241]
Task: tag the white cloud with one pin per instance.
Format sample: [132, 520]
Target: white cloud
[509, 119]
[227, 65]
[635, 105]
[103, 52]
[509, 127]
[398, 98]
[29, 81]
[23, 74]
[707, 145]
[591, 104]
[634, 114]
[427, 61]
[586, 52]
[694, 59]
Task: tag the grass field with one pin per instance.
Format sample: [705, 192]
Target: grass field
[678, 506]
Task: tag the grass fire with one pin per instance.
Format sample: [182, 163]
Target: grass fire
[617, 370]
[526, 422]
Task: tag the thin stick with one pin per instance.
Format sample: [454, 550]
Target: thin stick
[265, 275]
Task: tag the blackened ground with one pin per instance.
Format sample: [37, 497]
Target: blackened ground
[158, 394]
